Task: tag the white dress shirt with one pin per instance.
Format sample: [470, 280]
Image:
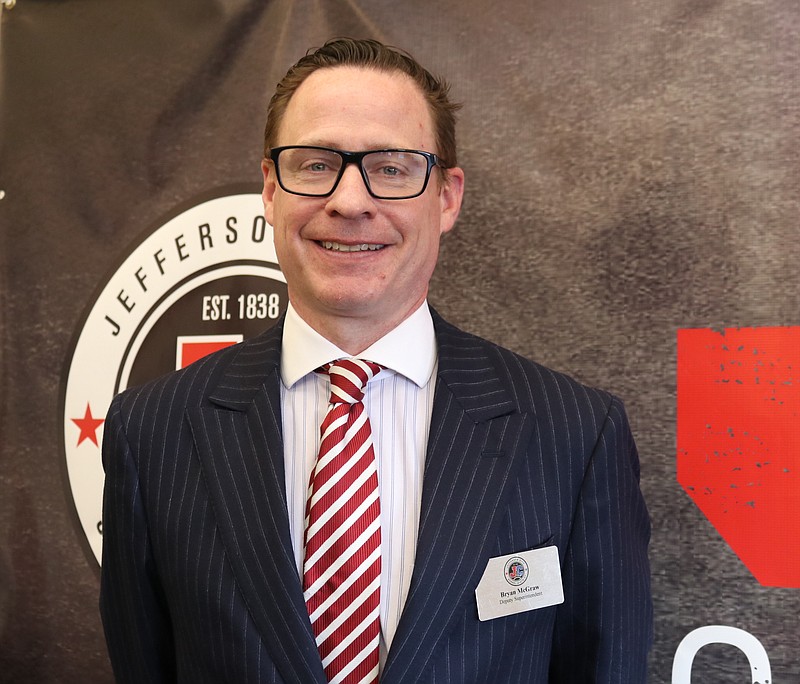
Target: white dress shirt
[398, 401]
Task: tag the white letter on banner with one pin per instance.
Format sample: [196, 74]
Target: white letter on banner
[719, 634]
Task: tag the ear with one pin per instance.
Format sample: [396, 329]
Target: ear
[268, 192]
[451, 193]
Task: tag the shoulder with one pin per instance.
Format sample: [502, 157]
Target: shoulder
[245, 363]
[534, 386]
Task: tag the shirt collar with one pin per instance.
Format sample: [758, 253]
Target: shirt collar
[304, 350]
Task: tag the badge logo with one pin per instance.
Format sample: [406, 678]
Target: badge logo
[516, 571]
[204, 279]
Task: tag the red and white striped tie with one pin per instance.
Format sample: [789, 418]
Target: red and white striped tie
[342, 566]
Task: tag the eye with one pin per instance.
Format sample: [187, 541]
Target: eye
[386, 166]
[315, 166]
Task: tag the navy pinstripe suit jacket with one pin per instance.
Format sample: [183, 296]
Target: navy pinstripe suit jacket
[199, 582]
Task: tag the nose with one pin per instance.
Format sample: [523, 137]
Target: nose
[351, 198]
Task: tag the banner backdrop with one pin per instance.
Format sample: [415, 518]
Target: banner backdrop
[631, 218]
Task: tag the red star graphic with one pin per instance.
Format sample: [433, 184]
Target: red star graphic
[88, 426]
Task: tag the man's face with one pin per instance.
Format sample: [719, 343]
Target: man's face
[356, 109]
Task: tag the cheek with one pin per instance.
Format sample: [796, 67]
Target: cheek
[281, 223]
[279, 237]
[287, 234]
[291, 214]
[423, 257]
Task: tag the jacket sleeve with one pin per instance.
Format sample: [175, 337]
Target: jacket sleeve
[604, 628]
[132, 606]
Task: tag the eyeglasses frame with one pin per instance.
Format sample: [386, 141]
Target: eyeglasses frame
[356, 158]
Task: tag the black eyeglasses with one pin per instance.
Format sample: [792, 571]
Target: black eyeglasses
[388, 174]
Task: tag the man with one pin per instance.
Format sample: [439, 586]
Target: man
[505, 530]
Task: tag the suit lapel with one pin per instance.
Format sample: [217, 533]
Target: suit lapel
[241, 453]
[476, 434]
[475, 440]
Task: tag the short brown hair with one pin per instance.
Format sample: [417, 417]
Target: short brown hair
[374, 55]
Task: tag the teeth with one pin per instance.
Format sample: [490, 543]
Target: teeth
[338, 247]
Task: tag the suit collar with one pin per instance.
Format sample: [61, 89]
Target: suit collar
[470, 368]
[254, 362]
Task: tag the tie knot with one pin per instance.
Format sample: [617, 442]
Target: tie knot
[348, 379]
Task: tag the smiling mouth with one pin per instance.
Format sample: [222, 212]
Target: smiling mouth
[339, 247]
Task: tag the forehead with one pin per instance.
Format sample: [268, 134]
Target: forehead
[358, 108]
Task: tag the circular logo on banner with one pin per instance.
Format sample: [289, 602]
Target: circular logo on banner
[205, 279]
[516, 571]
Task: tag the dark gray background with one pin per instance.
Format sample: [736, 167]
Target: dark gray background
[632, 168]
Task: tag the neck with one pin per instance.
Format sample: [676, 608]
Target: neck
[353, 334]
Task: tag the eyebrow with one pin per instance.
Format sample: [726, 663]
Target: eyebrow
[328, 143]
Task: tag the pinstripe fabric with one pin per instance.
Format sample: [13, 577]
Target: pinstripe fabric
[199, 582]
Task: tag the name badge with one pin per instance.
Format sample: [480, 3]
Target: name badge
[520, 582]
